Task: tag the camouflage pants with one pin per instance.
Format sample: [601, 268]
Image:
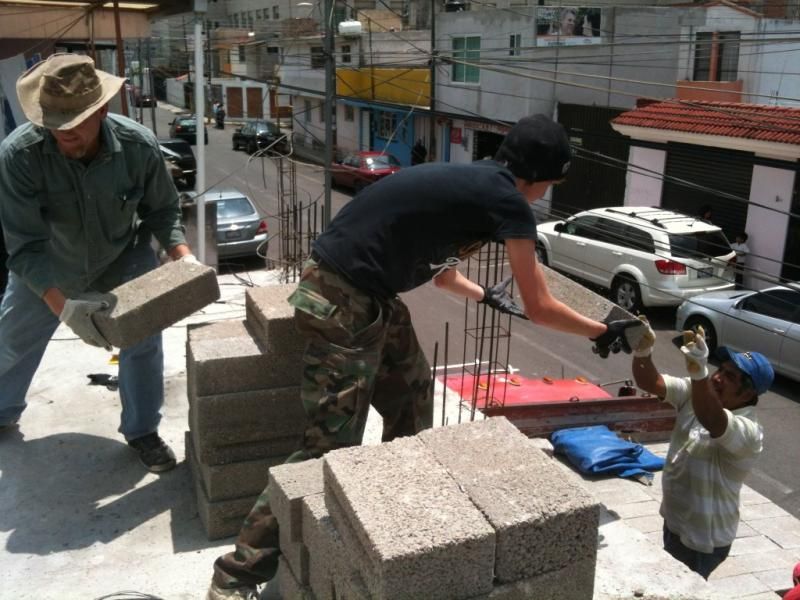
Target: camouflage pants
[360, 351]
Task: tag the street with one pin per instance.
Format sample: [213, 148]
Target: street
[535, 351]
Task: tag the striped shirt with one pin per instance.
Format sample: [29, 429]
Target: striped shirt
[703, 475]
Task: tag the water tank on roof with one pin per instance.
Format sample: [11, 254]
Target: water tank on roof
[350, 28]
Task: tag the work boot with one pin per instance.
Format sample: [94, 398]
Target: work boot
[155, 455]
[246, 592]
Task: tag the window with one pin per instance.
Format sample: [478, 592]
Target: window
[273, 50]
[346, 54]
[514, 44]
[349, 113]
[638, 239]
[466, 49]
[307, 111]
[317, 57]
[266, 13]
[242, 55]
[321, 112]
[778, 304]
[275, 12]
[236, 20]
[699, 245]
[386, 125]
[724, 46]
[582, 226]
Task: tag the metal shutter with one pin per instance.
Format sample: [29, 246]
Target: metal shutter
[727, 171]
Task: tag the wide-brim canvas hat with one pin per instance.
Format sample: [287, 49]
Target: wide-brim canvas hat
[64, 90]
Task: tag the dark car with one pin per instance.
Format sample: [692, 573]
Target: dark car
[257, 135]
[359, 169]
[241, 230]
[178, 153]
[184, 127]
[144, 99]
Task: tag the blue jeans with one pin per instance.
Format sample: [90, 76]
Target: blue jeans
[27, 324]
[702, 563]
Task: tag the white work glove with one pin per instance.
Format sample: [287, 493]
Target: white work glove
[695, 352]
[190, 258]
[77, 315]
[647, 341]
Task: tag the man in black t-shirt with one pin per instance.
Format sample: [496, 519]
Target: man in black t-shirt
[405, 230]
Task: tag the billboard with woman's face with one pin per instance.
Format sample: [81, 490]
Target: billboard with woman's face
[568, 26]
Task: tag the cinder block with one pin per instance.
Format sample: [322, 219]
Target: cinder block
[225, 419]
[421, 535]
[324, 548]
[544, 520]
[225, 357]
[220, 519]
[290, 588]
[234, 480]
[288, 485]
[210, 452]
[271, 317]
[575, 582]
[154, 301]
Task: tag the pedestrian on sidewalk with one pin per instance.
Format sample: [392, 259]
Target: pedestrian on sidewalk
[397, 234]
[742, 250]
[83, 191]
[713, 447]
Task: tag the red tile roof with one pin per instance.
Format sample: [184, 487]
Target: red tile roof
[778, 124]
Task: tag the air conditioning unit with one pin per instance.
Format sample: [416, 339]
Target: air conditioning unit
[350, 28]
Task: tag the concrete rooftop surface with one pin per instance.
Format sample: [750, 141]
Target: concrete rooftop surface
[81, 518]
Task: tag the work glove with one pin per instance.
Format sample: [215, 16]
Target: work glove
[614, 339]
[499, 299]
[77, 315]
[695, 351]
[190, 258]
[647, 339]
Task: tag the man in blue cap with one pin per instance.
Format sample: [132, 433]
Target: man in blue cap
[714, 445]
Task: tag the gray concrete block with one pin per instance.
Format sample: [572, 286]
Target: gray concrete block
[288, 485]
[326, 559]
[154, 301]
[225, 357]
[252, 416]
[220, 519]
[296, 554]
[544, 521]
[421, 535]
[271, 317]
[237, 479]
[290, 588]
[574, 582]
[211, 452]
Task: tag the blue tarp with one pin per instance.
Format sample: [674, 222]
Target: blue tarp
[597, 450]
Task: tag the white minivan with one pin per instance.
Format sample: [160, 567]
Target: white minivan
[645, 256]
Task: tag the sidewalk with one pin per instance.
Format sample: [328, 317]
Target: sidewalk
[80, 518]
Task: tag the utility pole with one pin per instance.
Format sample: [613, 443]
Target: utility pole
[139, 109]
[432, 111]
[120, 57]
[330, 108]
[152, 85]
[200, 8]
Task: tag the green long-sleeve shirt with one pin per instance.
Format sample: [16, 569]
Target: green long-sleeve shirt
[65, 222]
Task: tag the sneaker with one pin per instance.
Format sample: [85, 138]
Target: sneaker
[154, 453]
[246, 592]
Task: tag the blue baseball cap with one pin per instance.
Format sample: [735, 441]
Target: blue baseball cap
[753, 364]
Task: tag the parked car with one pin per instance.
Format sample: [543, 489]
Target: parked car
[359, 169]
[184, 127]
[241, 230]
[144, 99]
[767, 321]
[644, 256]
[178, 153]
[257, 135]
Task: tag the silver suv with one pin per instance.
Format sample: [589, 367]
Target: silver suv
[645, 256]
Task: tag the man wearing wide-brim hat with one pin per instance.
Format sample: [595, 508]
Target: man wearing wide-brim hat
[81, 193]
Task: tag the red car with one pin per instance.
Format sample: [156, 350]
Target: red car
[359, 169]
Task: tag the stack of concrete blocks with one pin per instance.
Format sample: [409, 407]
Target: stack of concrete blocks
[471, 511]
[245, 412]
